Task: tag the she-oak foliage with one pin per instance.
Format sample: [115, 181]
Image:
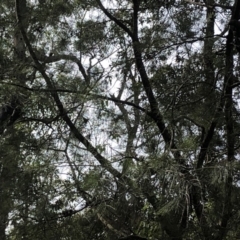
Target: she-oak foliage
[119, 119]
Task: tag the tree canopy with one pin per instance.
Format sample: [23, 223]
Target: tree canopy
[119, 119]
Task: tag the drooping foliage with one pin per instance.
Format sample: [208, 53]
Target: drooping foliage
[119, 119]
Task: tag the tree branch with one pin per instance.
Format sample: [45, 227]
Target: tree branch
[103, 161]
[112, 98]
[111, 17]
[210, 5]
[55, 58]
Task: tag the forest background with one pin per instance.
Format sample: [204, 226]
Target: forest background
[119, 119]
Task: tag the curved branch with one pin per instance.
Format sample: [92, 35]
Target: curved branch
[155, 114]
[55, 58]
[111, 17]
[103, 161]
[112, 98]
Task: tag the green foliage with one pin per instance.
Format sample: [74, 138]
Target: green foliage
[129, 120]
